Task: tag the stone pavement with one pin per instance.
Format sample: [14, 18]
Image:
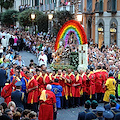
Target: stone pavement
[26, 56]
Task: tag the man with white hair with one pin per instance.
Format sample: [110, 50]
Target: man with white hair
[47, 101]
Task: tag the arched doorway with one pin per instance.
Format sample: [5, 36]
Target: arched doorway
[113, 31]
[100, 32]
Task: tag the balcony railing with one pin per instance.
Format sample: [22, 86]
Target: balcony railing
[51, 7]
[68, 8]
[47, 7]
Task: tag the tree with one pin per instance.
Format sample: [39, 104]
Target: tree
[60, 18]
[42, 23]
[6, 4]
[9, 17]
[1, 4]
[40, 19]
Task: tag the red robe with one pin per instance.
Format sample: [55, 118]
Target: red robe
[51, 77]
[78, 79]
[98, 81]
[41, 85]
[91, 77]
[6, 92]
[46, 107]
[11, 72]
[84, 78]
[105, 77]
[32, 95]
[71, 89]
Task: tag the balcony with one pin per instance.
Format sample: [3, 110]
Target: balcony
[47, 7]
[112, 6]
[67, 8]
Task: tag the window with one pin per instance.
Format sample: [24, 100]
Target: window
[101, 6]
[89, 5]
[114, 5]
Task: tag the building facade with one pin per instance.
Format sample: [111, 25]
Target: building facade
[107, 22]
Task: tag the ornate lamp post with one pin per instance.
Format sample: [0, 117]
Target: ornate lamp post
[79, 17]
[50, 17]
[33, 18]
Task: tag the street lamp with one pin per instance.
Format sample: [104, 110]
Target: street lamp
[50, 17]
[33, 18]
[79, 17]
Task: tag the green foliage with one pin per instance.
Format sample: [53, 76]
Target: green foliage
[9, 17]
[26, 29]
[42, 23]
[6, 4]
[74, 59]
[57, 67]
[0, 16]
[60, 18]
[41, 19]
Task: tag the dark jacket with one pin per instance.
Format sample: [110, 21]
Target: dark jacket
[81, 115]
[114, 111]
[3, 77]
[117, 116]
[19, 98]
[91, 115]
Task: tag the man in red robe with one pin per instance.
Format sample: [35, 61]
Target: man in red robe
[83, 89]
[52, 76]
[105, 77]
[32, 91]
[91, 77]
[47, 100]
[99, 80]
[7, 90]
[37, 77]
[71, 88]
[42, 81]
[77, 85]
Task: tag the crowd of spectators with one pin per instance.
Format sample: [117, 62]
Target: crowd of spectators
[11, 112]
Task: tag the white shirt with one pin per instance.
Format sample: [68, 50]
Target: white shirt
[1, 49]
[4, 42]
[44, 61]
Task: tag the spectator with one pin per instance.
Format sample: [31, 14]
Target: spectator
[32, 115]
[1, 50]
[9, 113]
[3, 78]
[11, 41]
[20, 62]
[12, 106]
[26, 113]
[4, 43]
